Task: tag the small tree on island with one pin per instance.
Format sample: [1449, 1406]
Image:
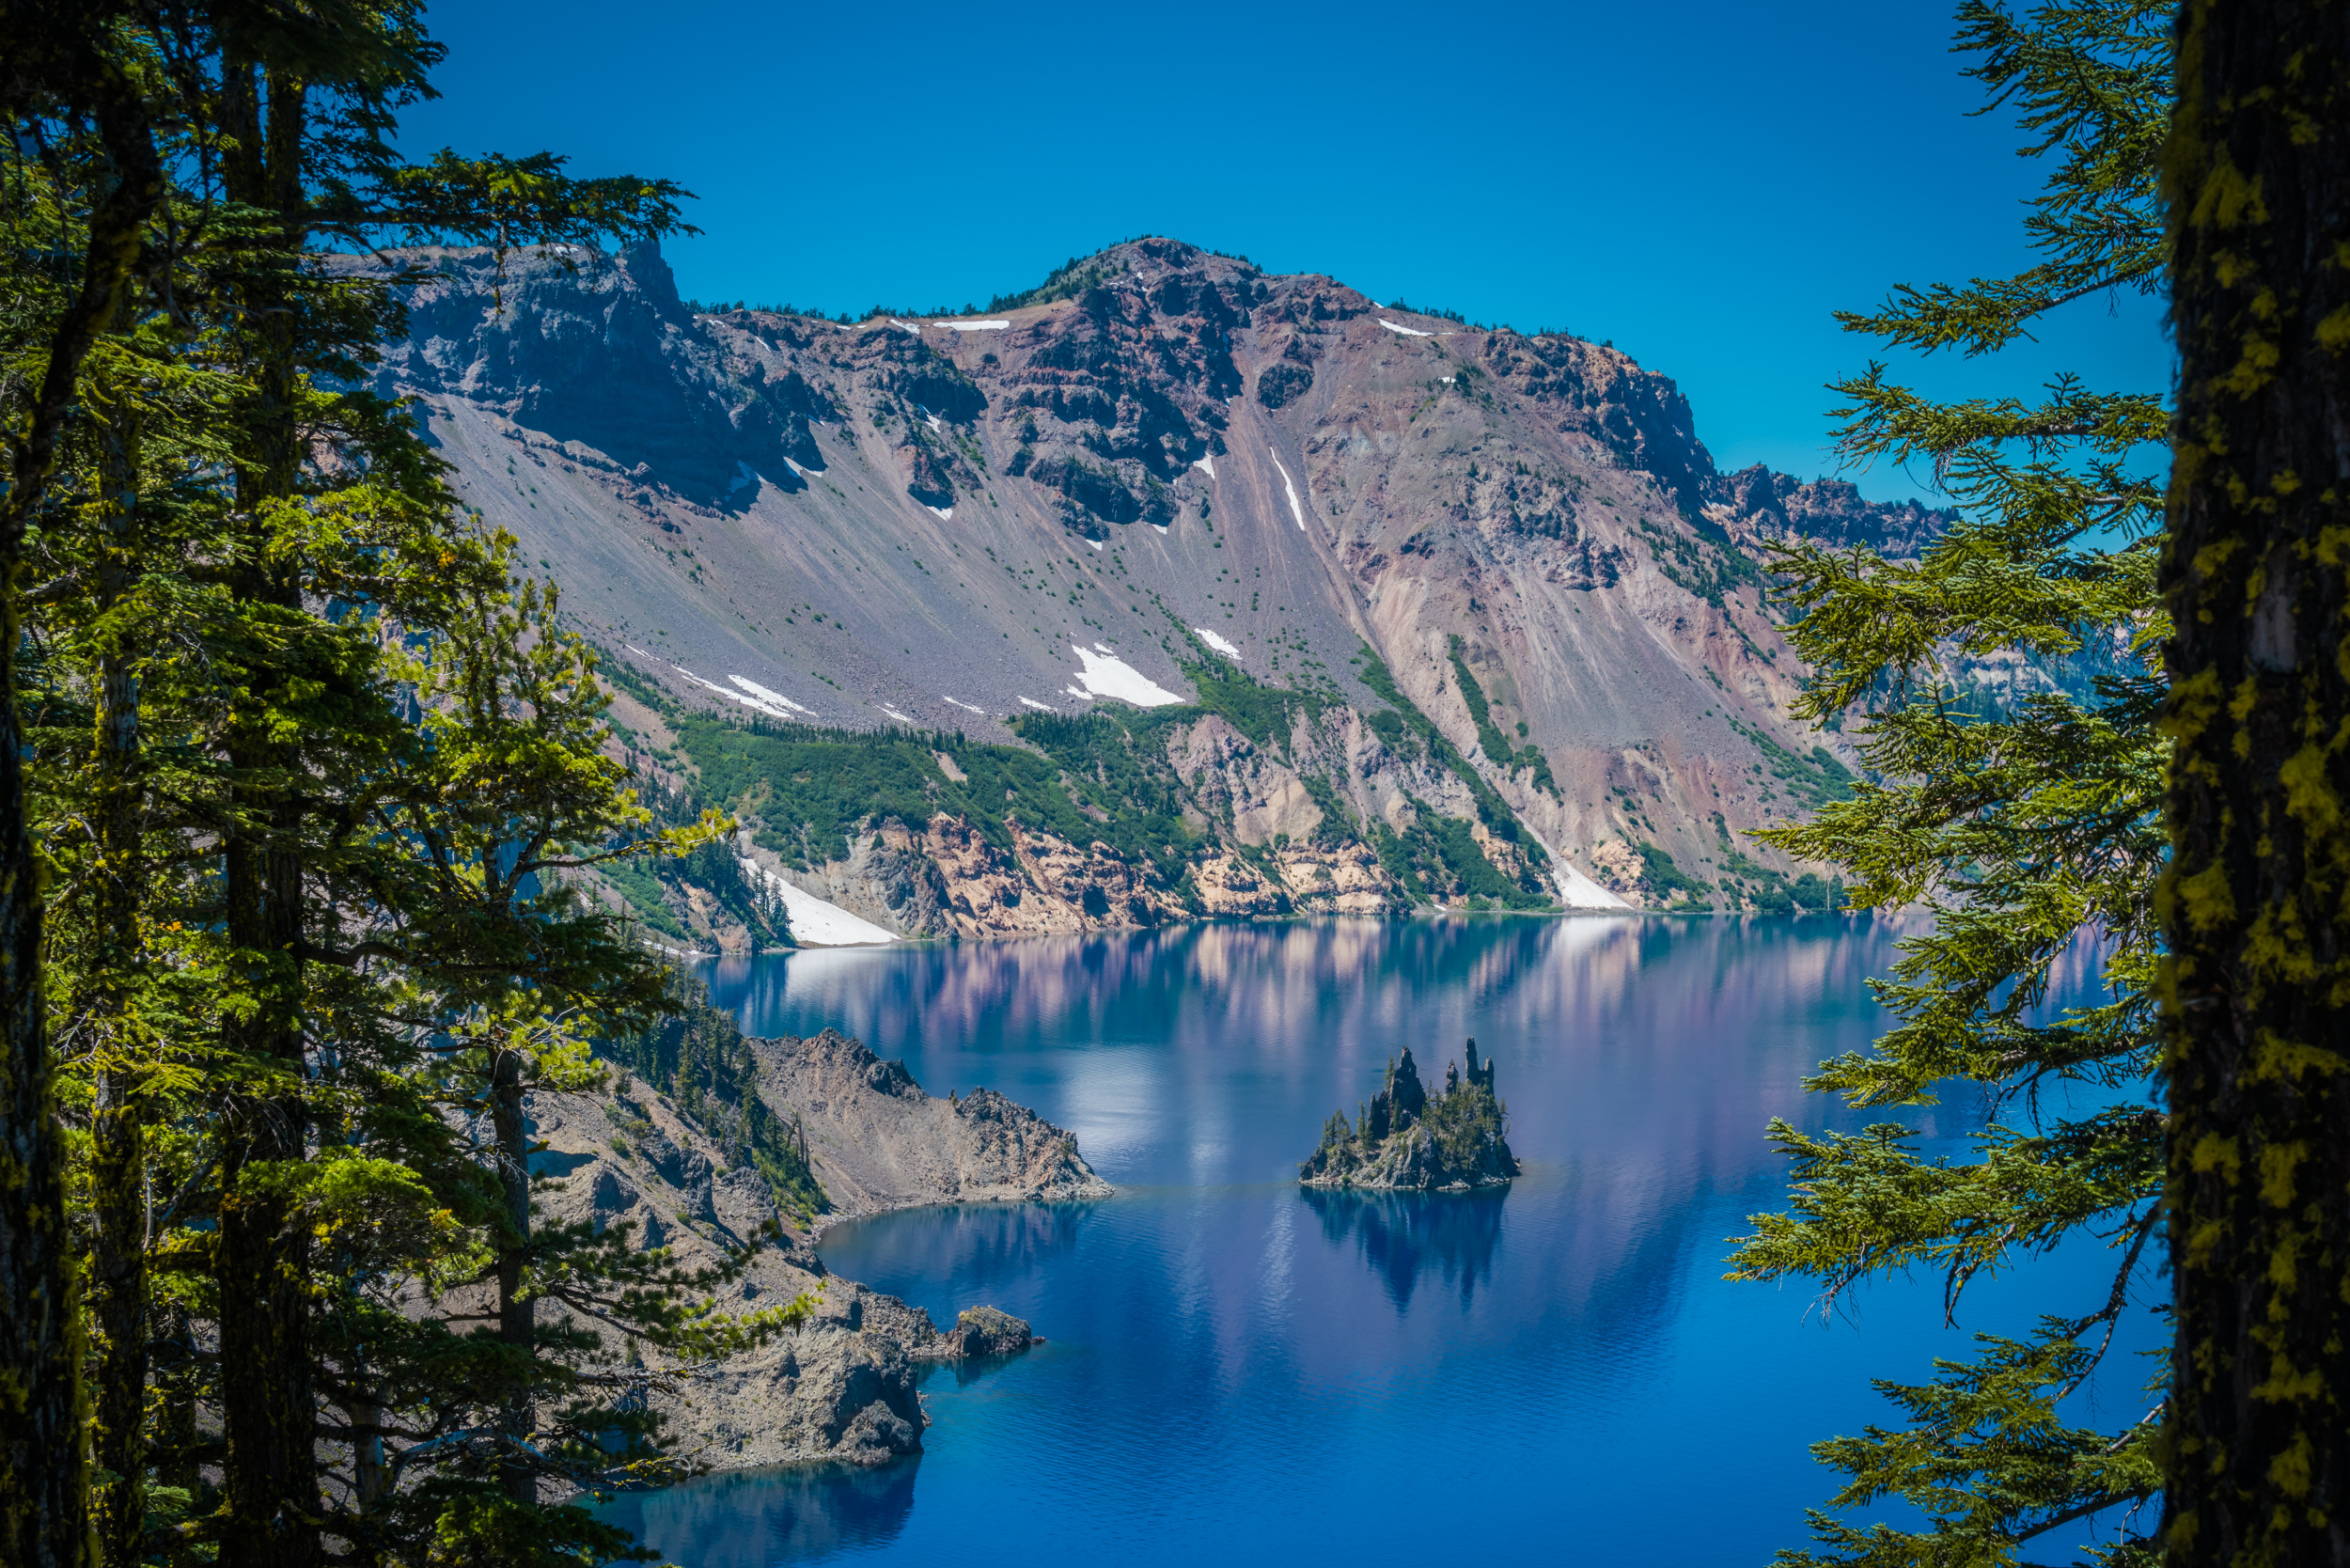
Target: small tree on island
[1406, 1137]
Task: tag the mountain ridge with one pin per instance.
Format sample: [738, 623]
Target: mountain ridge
[1396, 589]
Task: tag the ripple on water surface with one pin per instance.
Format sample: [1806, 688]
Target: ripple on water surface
[1239, 1371]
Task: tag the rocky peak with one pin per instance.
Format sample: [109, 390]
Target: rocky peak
[1407, 1139]
[1756, 505]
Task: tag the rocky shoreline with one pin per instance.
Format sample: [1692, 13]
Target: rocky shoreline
[1406, 1139]
[843, 1386]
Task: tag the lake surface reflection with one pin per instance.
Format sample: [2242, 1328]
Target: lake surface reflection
[1241, 1372]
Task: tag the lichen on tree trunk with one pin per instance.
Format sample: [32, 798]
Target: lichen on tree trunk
[2256, 902]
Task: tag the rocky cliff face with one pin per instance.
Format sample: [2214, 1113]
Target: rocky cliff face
[1408, 1139]
[1170, 479]
[879, 1142]
[844, 1386]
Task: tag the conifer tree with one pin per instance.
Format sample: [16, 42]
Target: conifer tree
[308, 776]
[2026, 826]
[2255, 902]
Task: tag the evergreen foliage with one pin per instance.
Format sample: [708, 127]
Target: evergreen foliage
[695, 1056]
[2025, 832]
[1497, 745]
[299, 783]
[1407, 1136]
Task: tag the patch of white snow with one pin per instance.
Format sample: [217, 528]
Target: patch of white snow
[945, 513]
[758, 705]
[894, 714]
[765, 696]
[1216, 642]
[818, 922]
[744, 474]
[1106, 676]
[1207, 463]
[973, 326]
[1161, 527]
[914, 327]
[1577, 891]
[803, 473]
[1408, 332]
[931, 419]
[638, 651]
[1039, 707]
[968, 709]
[1095, 542]
[1296, 511]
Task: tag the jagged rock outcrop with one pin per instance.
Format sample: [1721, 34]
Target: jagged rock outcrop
[986, 1331]
[1407, 1139]
[879, 1142]
[843, 1386]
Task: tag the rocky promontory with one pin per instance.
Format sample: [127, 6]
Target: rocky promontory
[1407, 1139]
[843, 1386]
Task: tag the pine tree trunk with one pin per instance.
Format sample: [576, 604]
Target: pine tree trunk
[105, 1011]
[44, 1520]
[517, 1312]
[42, 1509]
[2257, 901]
[267, 1407]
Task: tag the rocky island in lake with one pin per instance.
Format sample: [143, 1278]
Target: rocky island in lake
[1407, 1139]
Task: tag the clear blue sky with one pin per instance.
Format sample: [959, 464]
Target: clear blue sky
[1701, 183]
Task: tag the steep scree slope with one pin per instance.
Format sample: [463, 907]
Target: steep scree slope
[1372, 594]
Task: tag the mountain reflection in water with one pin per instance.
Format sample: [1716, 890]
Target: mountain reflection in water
[1402, 1235]
[1244, 1372]
[755, 1518]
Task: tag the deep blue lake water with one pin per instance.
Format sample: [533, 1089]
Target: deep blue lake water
[1242, 1372]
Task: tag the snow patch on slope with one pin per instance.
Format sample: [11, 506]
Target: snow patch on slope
[1105, 675]
[1207, 463]
[1408, 332]
[764, 695]
[816, 922]
[1296, 511]
[803, 473]
[894, 714]
[967, 708]
[1577, 891]
[754, 697]
[973, 326]
[1217, 642]
[1039, 707]
[946, 513]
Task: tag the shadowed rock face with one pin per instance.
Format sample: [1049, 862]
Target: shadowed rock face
[985, 1331]
[896, 517]
[842, 1387]
[878, 1141]
[1410, 1139]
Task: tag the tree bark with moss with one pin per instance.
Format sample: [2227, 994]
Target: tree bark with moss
[2256, 901]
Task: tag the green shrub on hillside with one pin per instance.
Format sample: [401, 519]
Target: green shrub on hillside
[1662, 875]
[699, 1058]
[1497, 745]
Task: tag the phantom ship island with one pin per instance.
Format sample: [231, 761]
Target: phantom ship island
[1407, 1140]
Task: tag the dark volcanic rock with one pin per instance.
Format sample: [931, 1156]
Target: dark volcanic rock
[985, 1331]
[1408, 1138]
[879, 1142]
[1763, 505]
